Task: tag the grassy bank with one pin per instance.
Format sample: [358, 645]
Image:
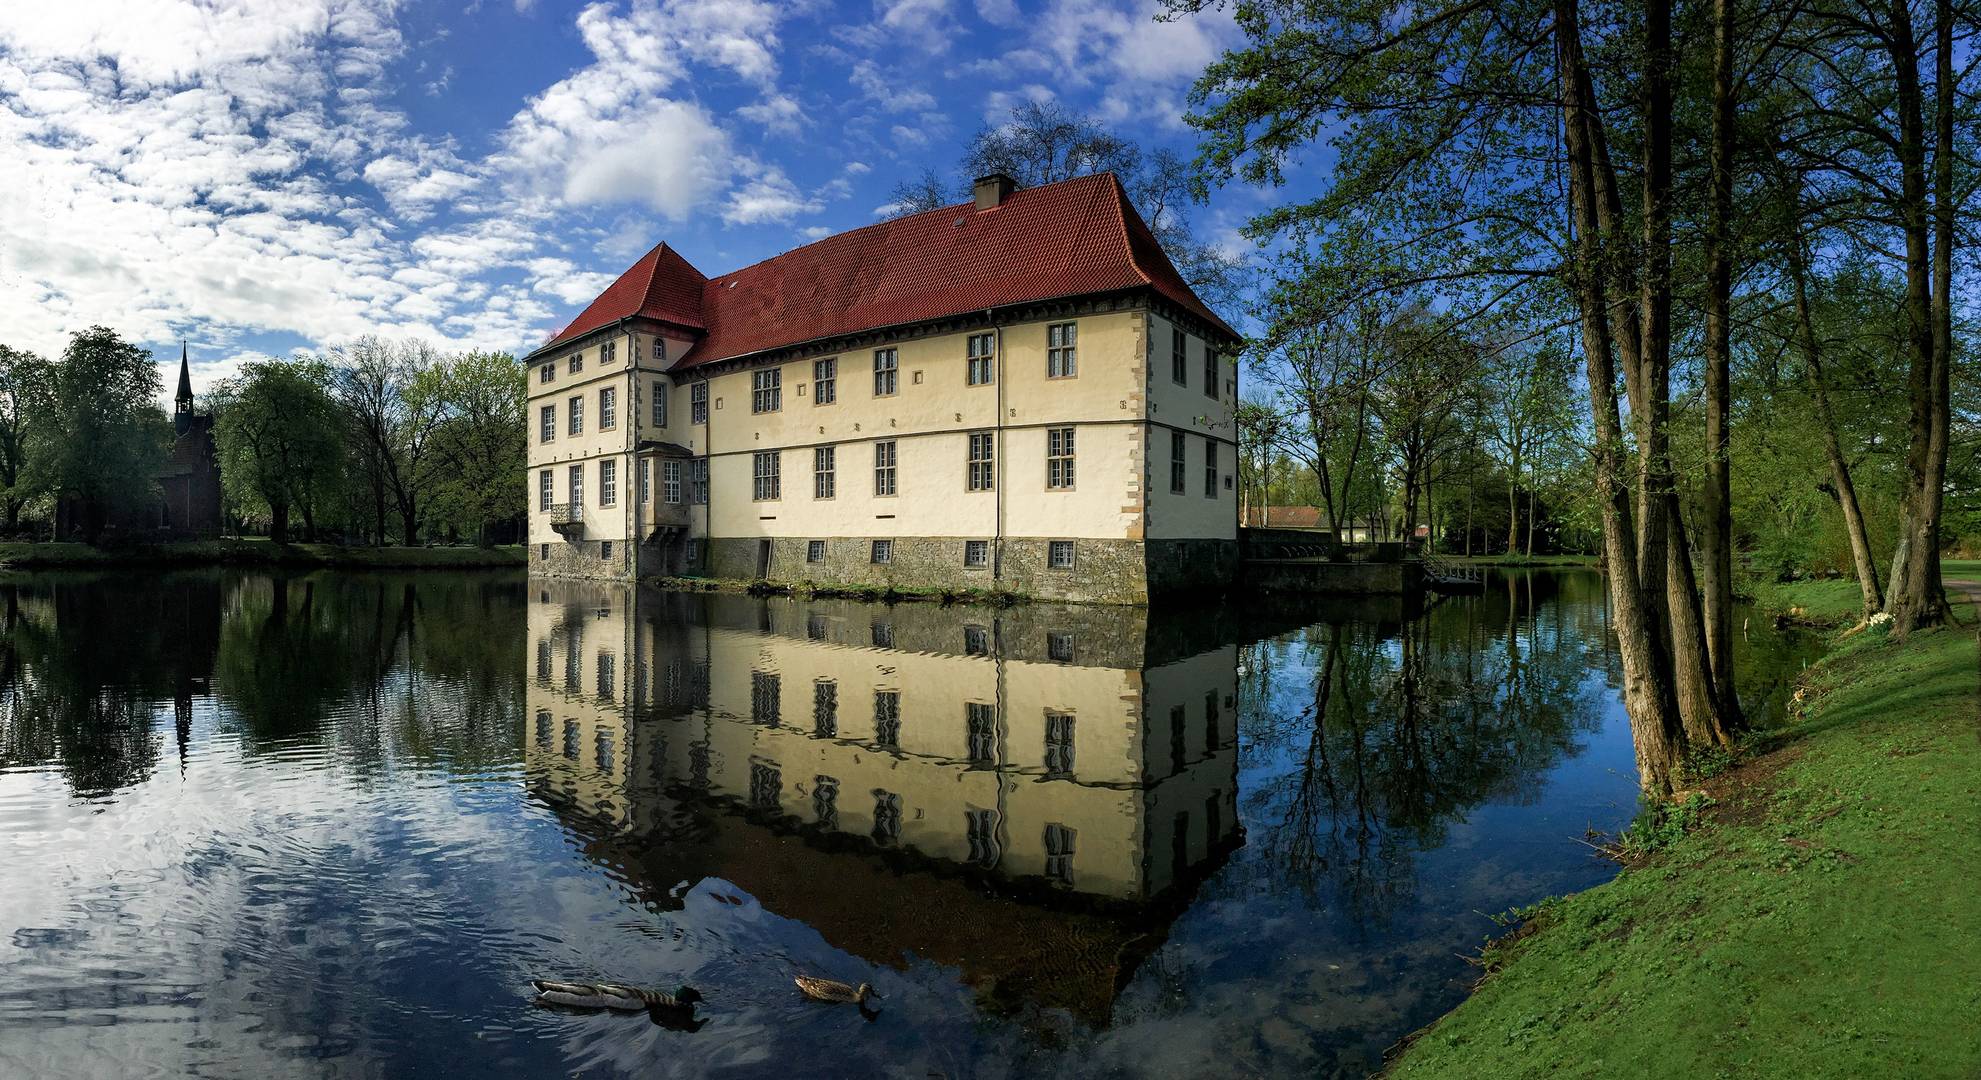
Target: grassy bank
[255, 552]
[1821, 919]
[1529, 560]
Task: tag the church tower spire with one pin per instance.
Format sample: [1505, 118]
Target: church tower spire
[182, 416]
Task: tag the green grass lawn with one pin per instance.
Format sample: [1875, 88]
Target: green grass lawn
[1830, 602]
[255, 552]
[1825, 921]
[1528, 560]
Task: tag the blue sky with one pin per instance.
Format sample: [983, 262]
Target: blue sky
[260, 176]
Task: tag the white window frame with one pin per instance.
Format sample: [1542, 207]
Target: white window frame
[976, 553]
[608, 408]
[608, 482]
[882, 552]
[978, 356]
[575, 423]
[887, 460]
[1179, 356]
[576, 485]
[546, 489]
[698, 481]
[825, 467]
[1060, 470]
[766, 476]
[1053, 550]
[1063, 350]
[698, 403]
[548, 430]
[670, 482]
[980, 471]
[887, 372]
[659, 401]
[767, 390]
[825, 381]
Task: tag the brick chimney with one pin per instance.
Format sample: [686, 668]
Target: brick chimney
[993, 189]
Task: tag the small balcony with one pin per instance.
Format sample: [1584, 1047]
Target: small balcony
[568, 518]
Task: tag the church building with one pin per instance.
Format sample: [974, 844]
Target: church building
[1018, 392]
[189, 483]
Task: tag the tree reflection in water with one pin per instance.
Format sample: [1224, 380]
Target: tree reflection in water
[1366, 738]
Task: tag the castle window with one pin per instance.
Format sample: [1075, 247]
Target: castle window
[884, 458]
[887, 712]
[825, 709]
[1179, 356]
[886, 372]
[1177, 460]
[670, 482]
[1059, 853]
[545, 493]
[659, 402]
[549, 429]
[1210, 373]
[577, 487]
[698, 481]
[577, 422]
[1059, 554]
[767, 390]
[1062, 352]
[1059, 648]
[608, 482]
[976, 553]
[698, 403]
[824, 460]
[764, 691]
[547, 373]
[980, 720]
[646, 481]
[1210, 467]
[660, 349]
[1059, 743]
[1059, 459]
[980, 476]
[768, 484]
[815, 551]
[608, 407]
[883, 551]
[979, 359]
[608, 352]
[577, 361]
[825, 381]
[605, 550]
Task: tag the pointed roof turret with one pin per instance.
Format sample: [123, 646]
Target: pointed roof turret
[185, 398]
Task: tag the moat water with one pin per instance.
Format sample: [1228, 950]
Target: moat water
[332, 825]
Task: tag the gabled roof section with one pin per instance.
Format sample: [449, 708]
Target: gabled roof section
[1073, 238]
[662, 285]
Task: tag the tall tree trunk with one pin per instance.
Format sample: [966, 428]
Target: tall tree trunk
[1915, 598]
[1840, 478]
[278, 523]
[1655, 729]
[1716, 530]
[1666, 567]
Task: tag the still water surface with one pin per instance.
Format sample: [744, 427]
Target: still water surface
[331, 825]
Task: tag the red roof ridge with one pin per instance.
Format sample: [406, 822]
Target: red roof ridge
[1044, 243]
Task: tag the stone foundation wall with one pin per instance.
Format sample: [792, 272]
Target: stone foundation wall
[1104, 571]
[581, 559]
[1205, 565]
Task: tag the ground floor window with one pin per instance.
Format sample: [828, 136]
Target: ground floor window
[883, 551]
[1059, 554]
[605, 550]
[976, 553]
[815, 551]
[543, 552]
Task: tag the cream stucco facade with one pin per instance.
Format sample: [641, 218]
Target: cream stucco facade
[844, 414]
[1115, 491]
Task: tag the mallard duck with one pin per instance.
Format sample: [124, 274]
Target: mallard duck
[613, 996]
[834, 991]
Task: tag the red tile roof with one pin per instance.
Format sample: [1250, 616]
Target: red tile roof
[1067, 239]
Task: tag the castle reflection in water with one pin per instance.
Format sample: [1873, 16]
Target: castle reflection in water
[1029, 794]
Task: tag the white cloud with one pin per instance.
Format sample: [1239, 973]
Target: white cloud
[777, 113]
[999, 12]
[769, 197]
[887, 89]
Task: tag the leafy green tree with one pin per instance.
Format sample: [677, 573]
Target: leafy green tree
[394, 405]
[481, 443]
[281, 440]
[24, 381]
[100, 435]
